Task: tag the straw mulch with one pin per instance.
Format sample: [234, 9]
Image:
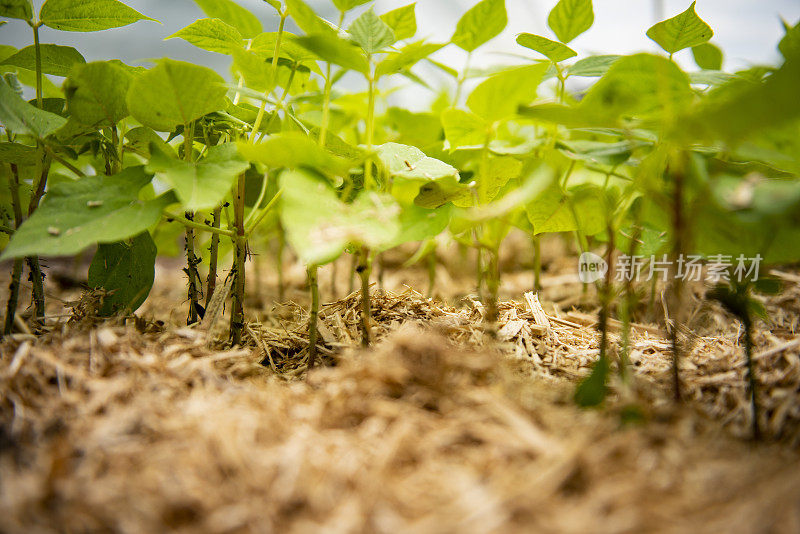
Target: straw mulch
[434, 430]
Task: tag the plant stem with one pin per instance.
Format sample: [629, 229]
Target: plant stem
[364, 270]
[493, 285]
[678, 226]
[240, 257]
[36, 275]
[191, 271]
[537, 263]
[313, 285]
[751, 376]
[37, 54]
[279, 262]
[462, 79]
[191, 258]
[370, 132]
[198, 226]
[276, 54]
[16, 273]
[213, 258]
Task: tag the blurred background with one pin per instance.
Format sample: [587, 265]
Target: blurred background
[746, 30]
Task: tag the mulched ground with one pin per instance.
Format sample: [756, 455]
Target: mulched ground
[153, 427]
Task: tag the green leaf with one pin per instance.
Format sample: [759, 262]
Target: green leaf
[175, 93]
[320, 227]
[500, 95]
[334, 49]
[213, 35]
[570, 18]
[641, 85]
[789, 46]
[707, 56]
[347, 5]
[256, 71]
[411, 170]
[736, 114]
[96, 93]
[232, 14]
[140, 138]
[593, 389]
[406, 58]
[16, 9]
[56, 60]
[480, 24]
[203, 184]
[554, 211]
[264, 45]
[419, 224]
[499, 171]
[294, 151]
[462, 129]
[88, 15]
[371, 33]
[307, 20]
[20, 117]
[125, 271]
[555, 51]
[592, 66]
[681, 31]
[95, 209]
[402, 21]
[611, 154]
[18, 154]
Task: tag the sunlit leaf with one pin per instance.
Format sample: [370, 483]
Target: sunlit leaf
[570, 18]
[707, 56]
[371, 33]
[411, 170]
[480, 24]
[681, 31]
[213, 35]
[462, 128]
[56, 60]
[201, 184]
[95, 209]
[336, 50]
[406, 58]
[500, 95]
[20, 117]
[592, 66]
[97, 92]
[88, 15]
[175, 93]
[232, 14]
[402, 21]
[553, 50]
[294, 151]
[16, 9]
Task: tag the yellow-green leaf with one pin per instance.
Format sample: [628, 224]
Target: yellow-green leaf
[88, 15]
[681, 31]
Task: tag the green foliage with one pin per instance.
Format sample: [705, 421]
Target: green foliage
[500, 95]
[553, 50]
[294, 151]
[334, 49]
[20, 117]
[411, 171]
[175, 93]
[482, 23]
[707, 56]
[592, 390]
[213, 35]
[16, 9]
[95, 209]
[570, 18]
[56, 60]
[402, 21]
[88, 15]
[307, 20]
[202, 184]
[371, 33]
[126, 272]
[681, 31]
[790, 44]
[320, 227]
[347, 5]
[406, 58]
[232, 14]
[463, 129]
[96, 93]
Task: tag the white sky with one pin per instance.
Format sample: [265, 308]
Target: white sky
[747, 30]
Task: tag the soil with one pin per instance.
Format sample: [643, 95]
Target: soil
[145, 425]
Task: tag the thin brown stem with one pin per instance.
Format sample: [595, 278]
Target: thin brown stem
[364, 270]
[240, 258]
[213, 258]
[313, 333]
